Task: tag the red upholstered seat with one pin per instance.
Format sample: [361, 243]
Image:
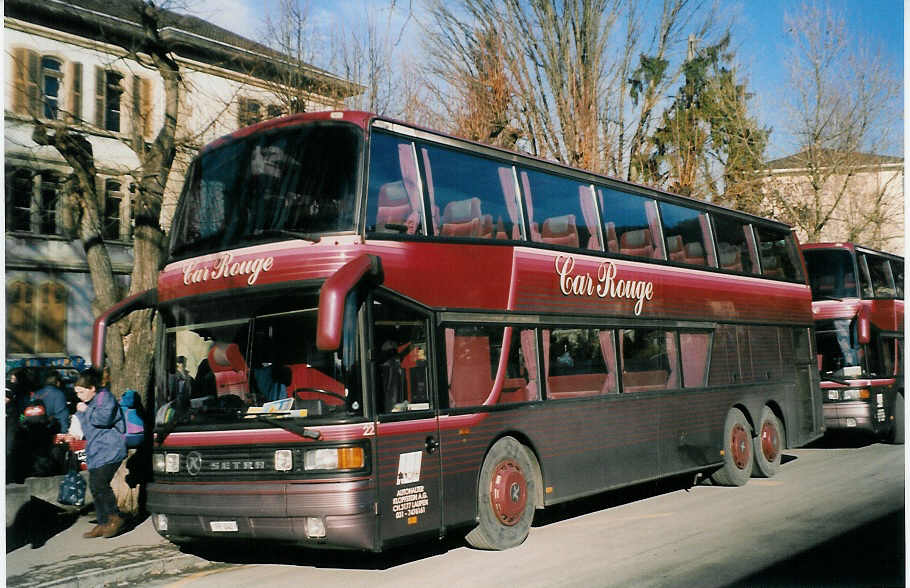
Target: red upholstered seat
[394, 206]
[695, 254]
[730, 258]
[462, 218]
[636, 243]
[675, 249]
[560, 230]
[229, 369]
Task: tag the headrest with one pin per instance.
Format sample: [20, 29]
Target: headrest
[393, 194]
[694, 249]
[226, 356]
[675, 243]
[638, 238]
[559, 226]
[460, 211]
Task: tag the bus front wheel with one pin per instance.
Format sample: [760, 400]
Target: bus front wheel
[768, 444]
[737, 468]
[506, 496]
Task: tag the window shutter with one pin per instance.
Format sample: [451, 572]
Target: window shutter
[145, 106]
[242, 107]
[136, 119]
[75, 93]
[25, 81]
[99, 97]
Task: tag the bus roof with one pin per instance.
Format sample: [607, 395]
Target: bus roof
[849, 246]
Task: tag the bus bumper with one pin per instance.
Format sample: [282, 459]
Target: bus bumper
[863, 416]
[323, 514]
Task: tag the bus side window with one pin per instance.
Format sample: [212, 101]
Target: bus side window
[394, 203]
[630, 224]
[778, 253]
[649, 360]
[561, 211]
[580, 362]
[695, 349]
[399, 354]
[687, 234]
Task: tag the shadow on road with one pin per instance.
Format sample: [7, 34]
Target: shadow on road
[36, 522]
[843, 439]
[870, 555]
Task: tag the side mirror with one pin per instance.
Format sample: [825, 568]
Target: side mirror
[334, 297]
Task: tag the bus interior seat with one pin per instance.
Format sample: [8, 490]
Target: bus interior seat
[575, 385]
[305, 376]
[560, 230]
[612, 239]
[730, 257]
[637, 243]
[229, 368]
[640, 381]
[695, 254]
[394, 206]
[462, 218]
[770, 265]
[675, 250]
[485, 228]
[515, 390]
[471, 379]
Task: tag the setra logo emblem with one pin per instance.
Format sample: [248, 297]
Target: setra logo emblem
[193, 463]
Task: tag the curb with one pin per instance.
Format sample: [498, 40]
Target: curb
[95, 577]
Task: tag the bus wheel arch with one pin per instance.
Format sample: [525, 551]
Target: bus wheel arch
[507, 492]
[768, 443]
[737, 450]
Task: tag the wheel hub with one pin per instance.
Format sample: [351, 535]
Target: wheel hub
[770, 441]
[508, 493]
[739, 446]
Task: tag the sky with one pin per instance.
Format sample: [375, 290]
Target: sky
[759, 38]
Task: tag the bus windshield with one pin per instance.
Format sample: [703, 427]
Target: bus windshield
[831, 273]
[293, 180]
[249, 367]
[841, 352]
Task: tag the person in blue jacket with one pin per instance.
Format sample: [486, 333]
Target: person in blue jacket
[54, 400]
[105, 448]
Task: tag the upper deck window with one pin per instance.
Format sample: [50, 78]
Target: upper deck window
[831, 273]
[897, 271]
[876, 276]
[279, 184]
[630, 224]
[470, 197]
[778, 253]
[394, 202]
[687, 234]
[735, 249]
[561, 211]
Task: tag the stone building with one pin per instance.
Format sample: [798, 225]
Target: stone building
[67, 65]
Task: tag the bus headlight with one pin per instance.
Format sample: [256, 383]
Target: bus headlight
[284, 460]
[158, 462]
[856, 394]
[172, 463]
[340, 458]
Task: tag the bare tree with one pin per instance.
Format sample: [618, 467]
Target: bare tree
[84, 200]
[843, 111]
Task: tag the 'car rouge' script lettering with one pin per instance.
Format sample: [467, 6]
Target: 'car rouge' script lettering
[225, 267]
[605, 285]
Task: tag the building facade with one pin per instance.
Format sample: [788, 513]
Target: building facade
[859, 196]
[69, 63]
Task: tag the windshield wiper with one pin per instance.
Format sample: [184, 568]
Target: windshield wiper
[836, 380]
[288, 425]
[284, 233]
[827, 298]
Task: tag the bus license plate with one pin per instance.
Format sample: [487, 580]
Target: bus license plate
[223, 526]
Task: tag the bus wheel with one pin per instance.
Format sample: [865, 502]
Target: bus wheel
[897, 427]
[737, 468]
[505, 496]
[768, 444]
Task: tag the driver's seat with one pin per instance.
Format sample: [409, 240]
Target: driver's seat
[305, 376]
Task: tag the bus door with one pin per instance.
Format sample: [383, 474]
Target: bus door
[407, 425]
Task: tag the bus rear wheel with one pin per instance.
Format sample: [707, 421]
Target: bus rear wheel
[506, 494]
[737, 468]
[768, 444]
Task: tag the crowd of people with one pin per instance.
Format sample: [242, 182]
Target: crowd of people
[45, 414]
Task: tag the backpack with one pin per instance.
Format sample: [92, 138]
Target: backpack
[35, 412]
[135, 427]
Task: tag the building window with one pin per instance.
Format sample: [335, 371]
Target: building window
[108, 92]
[51, 80]
[250, 112]
[113, 200]
[36, 321]
[32, 201]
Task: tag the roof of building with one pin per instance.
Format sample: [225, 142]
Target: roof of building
[119, 22]
[830, 157]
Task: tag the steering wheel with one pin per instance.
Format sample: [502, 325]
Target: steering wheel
[319, 391]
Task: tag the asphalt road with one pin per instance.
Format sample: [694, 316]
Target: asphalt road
[833, 516]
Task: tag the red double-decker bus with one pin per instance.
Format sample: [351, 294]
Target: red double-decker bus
[373, 332]
[858, 305]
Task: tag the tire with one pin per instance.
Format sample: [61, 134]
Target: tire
[737, 468]
[506, 494]
[897, 427]
[768, 445]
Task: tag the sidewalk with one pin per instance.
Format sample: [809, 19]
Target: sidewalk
[57, 555]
